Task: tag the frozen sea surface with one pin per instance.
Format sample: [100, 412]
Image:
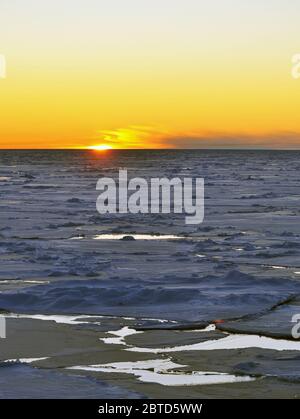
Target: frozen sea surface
[14, 379]
[239, 269]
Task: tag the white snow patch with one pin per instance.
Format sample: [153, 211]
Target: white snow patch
[159, 371]
[121, 335]
[229, 342]
[136, 236]
[25, 360]
[60, 319]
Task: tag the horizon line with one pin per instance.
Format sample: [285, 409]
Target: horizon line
[149, 149]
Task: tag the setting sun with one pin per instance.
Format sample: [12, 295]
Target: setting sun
[100, 147]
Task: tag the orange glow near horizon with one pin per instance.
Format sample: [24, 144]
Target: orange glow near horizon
[147, 74]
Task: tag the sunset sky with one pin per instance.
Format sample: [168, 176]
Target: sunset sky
[149, 73]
